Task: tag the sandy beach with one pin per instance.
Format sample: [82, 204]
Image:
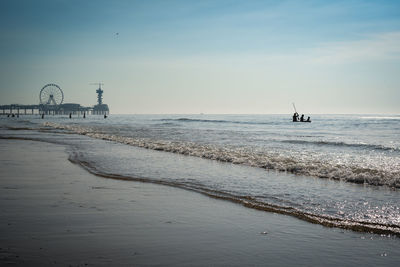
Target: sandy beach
[199, 133]
[56, 213]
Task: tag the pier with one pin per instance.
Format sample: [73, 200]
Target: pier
[51, 97]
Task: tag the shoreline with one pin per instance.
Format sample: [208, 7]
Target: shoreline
[56, 213]
[248, 202]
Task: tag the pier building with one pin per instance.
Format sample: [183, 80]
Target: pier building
[51, 99]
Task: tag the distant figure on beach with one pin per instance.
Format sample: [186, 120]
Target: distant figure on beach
[70, 115]
[8, 115]
[296, 116]
[42, 115]
[13, 115]
[302, 117]
[105, 116]
[308, 119]
[84, 115]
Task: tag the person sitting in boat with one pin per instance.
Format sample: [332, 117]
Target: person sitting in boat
[302, 117]
[308, 119]
[296, 116]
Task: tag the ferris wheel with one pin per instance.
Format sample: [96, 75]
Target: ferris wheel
[51, 94]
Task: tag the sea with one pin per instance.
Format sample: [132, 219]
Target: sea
[338, 171]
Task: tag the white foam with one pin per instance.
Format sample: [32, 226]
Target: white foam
[345, 168]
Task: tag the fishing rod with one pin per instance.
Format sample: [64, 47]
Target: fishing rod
[294, 107]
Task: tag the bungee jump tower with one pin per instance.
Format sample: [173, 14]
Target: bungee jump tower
[51, 99]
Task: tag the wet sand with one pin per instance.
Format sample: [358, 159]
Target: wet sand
[56, 213]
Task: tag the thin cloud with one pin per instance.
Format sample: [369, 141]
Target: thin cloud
[379, 47]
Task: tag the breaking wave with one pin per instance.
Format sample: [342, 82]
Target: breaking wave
[384, 222]
[355, 173]
[253, 202]
[343, 144]
[216, 121]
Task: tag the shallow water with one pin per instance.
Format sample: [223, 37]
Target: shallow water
[278, 165]
[73, 218]
[358, 149]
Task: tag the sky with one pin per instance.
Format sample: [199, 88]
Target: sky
[212, 57]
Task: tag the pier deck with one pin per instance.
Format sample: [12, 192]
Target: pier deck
[63, 109]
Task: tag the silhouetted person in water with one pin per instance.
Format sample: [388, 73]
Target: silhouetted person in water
[308, 119]
[8, 115]
[295, 116]
[13, 115]
[70, 115]
[302, 117]
[105, 116]
[42, 115]
[84, 115]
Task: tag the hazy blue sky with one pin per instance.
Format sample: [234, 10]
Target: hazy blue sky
[218, 56]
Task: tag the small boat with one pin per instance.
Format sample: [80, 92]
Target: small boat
[296, 116]
[302, 121]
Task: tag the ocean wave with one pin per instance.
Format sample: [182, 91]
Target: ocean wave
[381, 118]
[167, 123]
[217, 121]
[355, 173]
[355, 223]
[250, 201]
[343, 144]
[14, 128]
